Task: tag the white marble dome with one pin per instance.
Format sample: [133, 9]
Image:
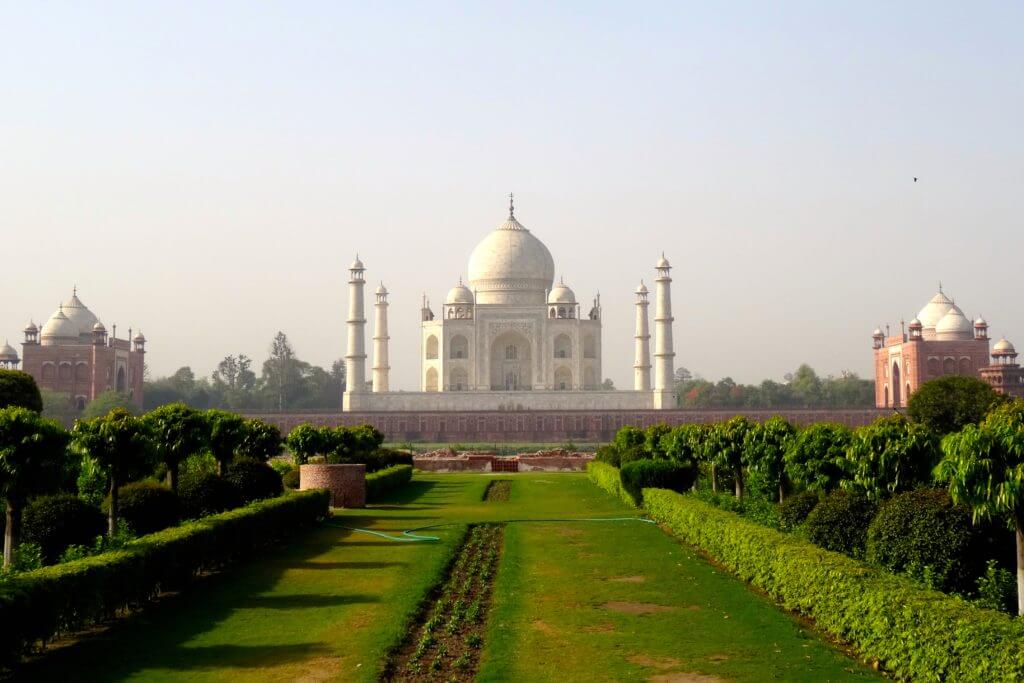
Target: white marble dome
[561, 294]
[8, 354]
[1003, 347]
[58, 328]
[511, 266]
[935, 310]
[459, 294]
[79, 314]
[954, 325]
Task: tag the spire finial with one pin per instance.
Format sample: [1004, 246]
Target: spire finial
[74, 290]
[940, 287]
[511, 205]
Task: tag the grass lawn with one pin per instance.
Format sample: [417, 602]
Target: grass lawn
[573, 601]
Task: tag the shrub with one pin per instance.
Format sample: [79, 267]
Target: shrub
[949, 404]
[997, 589]
[815, 459]
[254, 480]
[661, 474]
[39, 605]
[291, 479]
[794, 510]
[382, 459]
[205, 493]
[381, 483]
[147, 506]
[915, 633]
[607, 477]
[840, 523]
[57, 521]
[924, 531]
[17, 388]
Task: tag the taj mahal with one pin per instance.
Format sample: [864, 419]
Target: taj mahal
[510, 338]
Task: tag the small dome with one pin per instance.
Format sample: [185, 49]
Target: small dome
[7, 353]
[59, 326]
[357, 264]
[936, 308]
[459, 294]
[140, 338]
[561, 294]
[915, 324]
[98, 327]
[31, 327]
[877, 333]
[980, 322]
[1003, 347]
[663, 262]
[642, 289]
[382, 289]
[954, 325]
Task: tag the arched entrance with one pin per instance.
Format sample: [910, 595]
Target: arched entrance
[896, 398]
[511, 366]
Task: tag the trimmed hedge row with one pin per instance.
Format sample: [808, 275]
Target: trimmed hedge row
[37, 606]
[381, 483]
[913, 632]
[607, 477]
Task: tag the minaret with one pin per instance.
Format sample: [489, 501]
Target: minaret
[381, 368]
[664, 356]
[355, 359]
[642, 363]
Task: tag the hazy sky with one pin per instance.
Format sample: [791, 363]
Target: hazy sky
[206, 171]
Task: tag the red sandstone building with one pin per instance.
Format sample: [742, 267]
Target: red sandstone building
[72, 354]
[941, 341]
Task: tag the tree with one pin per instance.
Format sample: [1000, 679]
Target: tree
[891, 456]
[684, 443]
[653, 438]
[32, 453]
[305, 441]
[806, 386]
[948, 404]
[58, 406]
[984, 465]
[815, 459]
[608, 384]
[226, 434]
[279, 371]
[178, 432]
[108, 401]
[17, 388]
[726, 440]
[262, 441]
[764, 451]
[120, 444]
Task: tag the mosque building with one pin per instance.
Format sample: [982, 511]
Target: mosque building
[941, 341]
[73, 354]
[510, 338]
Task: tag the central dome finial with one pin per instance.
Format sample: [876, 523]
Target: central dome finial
[511, 206]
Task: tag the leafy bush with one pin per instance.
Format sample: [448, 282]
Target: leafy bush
[381, 483]
[997, 589]
[291, 479]
[91, 481]
[661, 474]
[146, 506]
[607, 477]
[948, 404]
[382, 459]
[205, 493]
[815, 459]
[57, 521]
[254, 480]
[924, 531]
[18, 388]
[840, 523]
[794, 510]
[39, 605]
[915, 633]
[891, 455]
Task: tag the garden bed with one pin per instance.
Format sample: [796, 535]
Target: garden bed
[445, 640]
[497, 491]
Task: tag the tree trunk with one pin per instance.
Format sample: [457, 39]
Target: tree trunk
[112, 513]
[739, 484]
[172, 477]
[714, 479]
[782, 492]
[11, 532]
[1020, 567]
[222, 467]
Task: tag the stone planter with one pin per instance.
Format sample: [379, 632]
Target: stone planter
[347, 483]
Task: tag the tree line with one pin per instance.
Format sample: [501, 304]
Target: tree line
[285, 382]
[801, 389]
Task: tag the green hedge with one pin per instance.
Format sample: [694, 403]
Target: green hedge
[914, 632]
[381, 483]
[660, 474]
[37, 606]
[608, 478]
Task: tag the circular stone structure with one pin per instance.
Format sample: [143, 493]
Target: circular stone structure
[347, 483]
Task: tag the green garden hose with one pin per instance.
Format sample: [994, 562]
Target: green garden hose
[410, 535]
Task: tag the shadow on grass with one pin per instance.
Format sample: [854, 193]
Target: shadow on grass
[303, 600]
[346, 565]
